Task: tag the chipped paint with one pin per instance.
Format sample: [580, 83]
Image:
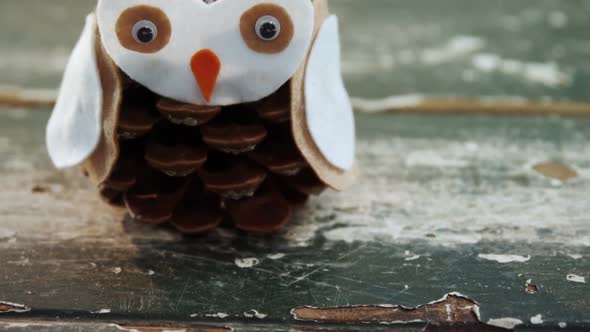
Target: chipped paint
[562, 325]
[537, 319]
[505, 322]
[412, 258]
[246, 263]
[276, 256]
[254, 313]
[505, 259]
[490, 214]
[221, 315]
[6, 307]
[576, 278]
[530, 287]
[101, 311]
[117, 270]
[556, 171]
[453, 308]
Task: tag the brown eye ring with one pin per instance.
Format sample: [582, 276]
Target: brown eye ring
[250, 24]
[143, 29]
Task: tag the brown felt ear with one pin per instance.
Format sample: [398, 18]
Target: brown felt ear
[250, 36]
[102, 161]
[132, 16]
[332, 176]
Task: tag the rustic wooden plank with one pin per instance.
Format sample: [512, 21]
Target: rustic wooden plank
[441, 204]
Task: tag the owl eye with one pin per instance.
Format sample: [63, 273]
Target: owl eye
[144, 32]
[143, 29]
[268, 28]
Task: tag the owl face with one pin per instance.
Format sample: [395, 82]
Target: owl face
[207, 52]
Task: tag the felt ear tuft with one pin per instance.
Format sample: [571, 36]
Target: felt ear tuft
[73, 131]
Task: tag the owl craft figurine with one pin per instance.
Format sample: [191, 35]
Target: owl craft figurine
[198, 112]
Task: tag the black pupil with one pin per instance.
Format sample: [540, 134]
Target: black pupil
[145, 34]
[268, 30]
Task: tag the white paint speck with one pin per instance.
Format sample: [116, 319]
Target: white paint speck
[537, 320]
[221, 315]
[562, 325]
[575, 256]
[150, 272]
[276, 256]
[504, 259]
[246, 263]
[253, 313]
[101, 311]
[506, 322]
[576, 278]
[412, 258]
[117, 270]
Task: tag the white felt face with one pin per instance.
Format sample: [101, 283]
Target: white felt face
[205, 53]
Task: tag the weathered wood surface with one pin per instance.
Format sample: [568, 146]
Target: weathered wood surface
[437, 198]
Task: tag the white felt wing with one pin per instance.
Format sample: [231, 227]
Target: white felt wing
[73, 131]
[329, 113]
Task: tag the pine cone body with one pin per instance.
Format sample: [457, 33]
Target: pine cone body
[194, 167]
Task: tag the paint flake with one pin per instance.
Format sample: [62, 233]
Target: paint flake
[101, 311]
[246, 263]
[504, 259]
[506, 322]
[576, 278]
[276, 256]
[221, 315]
[537, 320]
[254, 313]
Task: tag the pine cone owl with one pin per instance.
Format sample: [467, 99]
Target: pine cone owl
[198, 111]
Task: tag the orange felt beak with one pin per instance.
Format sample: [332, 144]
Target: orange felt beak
[206, 66]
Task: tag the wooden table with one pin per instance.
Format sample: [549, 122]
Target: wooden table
[453, 203]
